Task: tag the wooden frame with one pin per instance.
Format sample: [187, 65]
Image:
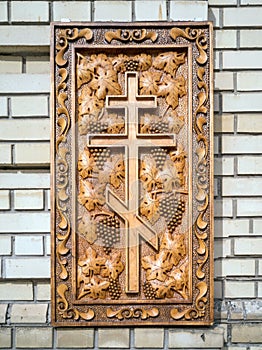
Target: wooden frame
[132, 174]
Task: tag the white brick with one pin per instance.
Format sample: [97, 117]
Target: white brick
[225, 39]
[28, 35]
[113, 11]
[25, 129]
[224, 123]
[3, 107]
[249, 207]
[3, 310]
[224, 81]
[249, 123]
[216, 60]
[113, 338]
[223, 208]
[241, 289]
[216, 102]
[250, 38]
[74, 10]
[28, 313]
[47, 245]
[10, 64]
[242, 17]
[5, 338]
[242, 186]
[235, 267]
[24, 83]
[37, 64]
[224, 166]
[29, 106]
[29, 11]
[23, 180]
[251, 2]
[28, 199]
[48, 199]
[5, 245]
[150, 10]
[241, 144]
[246, 333]
[248, 246]
[196, 338]
[222, 2]
[229, 228]
[28, 268]
[222, 248]
[4, 200]
[75, 338]
[242, 59]
[242, 102]
[214, 16]
[260, 289]
[24, 222]
[249, 81]
[149, 338]
[37, 337]
[43, 291]
[257, 225]
[5, 153]
[16, 291]
[3, 11]
[32, 153]
[188, 11]
[29, 245]
[218, 287]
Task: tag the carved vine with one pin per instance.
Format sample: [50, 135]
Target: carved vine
[137, 35]
[200, 226]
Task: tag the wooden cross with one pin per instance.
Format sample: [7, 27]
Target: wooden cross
[132, 140]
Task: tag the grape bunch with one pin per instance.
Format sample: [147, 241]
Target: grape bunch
[159, 155]
[96, 127]
[172, 210]
[131, 65]
[100, 156]
[109, 231]
[149, 291]
[159, 128]
[114, 288]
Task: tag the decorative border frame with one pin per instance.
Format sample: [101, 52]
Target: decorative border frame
[64, 37]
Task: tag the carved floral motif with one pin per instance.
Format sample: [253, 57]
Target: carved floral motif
[130, 35]
[126, 313]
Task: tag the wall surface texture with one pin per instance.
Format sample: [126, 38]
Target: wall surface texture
[24, 175]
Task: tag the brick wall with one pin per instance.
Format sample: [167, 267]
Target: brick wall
[24, 175]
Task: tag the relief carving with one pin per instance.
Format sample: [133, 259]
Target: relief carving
[132, 213]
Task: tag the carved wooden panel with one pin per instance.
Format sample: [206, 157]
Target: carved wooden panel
[132, 188]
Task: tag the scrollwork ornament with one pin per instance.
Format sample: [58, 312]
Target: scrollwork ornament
[137, 35]
[127, 312]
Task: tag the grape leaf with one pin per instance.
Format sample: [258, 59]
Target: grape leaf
[90, 264]
[84, 75]
[149, 174]
[172, 89]
[169, 176]
[176, 247]
[148, 83]
[90, 196]
[157, 266]
[113, 267]
[169, 61]
[95, 289]
[86, 164]
[104, 83]
[88, 102]
[87, 228]
[149, 208]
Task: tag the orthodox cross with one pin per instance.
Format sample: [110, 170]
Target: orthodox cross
[132, 140]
